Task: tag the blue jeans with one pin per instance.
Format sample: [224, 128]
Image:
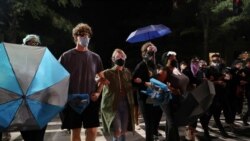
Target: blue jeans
[122, 115]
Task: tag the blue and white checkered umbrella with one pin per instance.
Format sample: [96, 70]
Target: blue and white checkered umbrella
[33, 87]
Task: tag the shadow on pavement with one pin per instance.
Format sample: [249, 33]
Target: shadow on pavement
[243, 131]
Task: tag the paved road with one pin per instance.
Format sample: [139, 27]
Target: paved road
[54, 133]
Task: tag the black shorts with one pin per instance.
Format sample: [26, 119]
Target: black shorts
[89, 118]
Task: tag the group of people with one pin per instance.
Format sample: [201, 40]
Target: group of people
[231, 86]
[112, 96]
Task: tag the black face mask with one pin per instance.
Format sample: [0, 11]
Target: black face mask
[215, 61]
[120, 62]
[174, 63]
[148, 56]
[150, 53]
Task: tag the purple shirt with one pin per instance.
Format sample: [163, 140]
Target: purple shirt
[83, 67]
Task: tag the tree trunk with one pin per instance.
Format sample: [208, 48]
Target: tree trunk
[205, 45]
[205, 36]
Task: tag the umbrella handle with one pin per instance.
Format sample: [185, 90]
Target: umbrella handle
[84, 101]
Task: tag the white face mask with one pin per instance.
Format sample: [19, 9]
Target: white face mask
[84, 41]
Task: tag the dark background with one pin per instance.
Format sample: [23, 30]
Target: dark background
[113, 21]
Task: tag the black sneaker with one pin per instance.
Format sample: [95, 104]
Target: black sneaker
[158, 134]
[156, 138]
[245, 123]
[244, 119]
[224, 134]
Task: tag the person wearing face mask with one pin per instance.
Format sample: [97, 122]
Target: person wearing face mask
[215, 74]
[178, 106]
[194, 73]
[203, 68]
[32, 40]
[196, 77]
[149, 58]
[217, 62]
[84, 66]
[246, 71]
[117, 105]
[183, 66]
[177, 83]
[145, 70]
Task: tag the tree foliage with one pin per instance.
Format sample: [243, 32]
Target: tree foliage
[12, 12]
[215, 20]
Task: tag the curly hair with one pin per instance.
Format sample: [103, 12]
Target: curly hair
[81, 28]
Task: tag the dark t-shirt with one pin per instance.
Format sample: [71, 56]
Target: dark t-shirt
[141, 71]
[83, 67]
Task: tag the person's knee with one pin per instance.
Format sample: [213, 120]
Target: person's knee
[91, 131]
[117, 133]
[76, 134]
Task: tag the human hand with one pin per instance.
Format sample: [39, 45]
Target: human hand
[137, 80]
[94, 96]
[242, 82]
[148, 84]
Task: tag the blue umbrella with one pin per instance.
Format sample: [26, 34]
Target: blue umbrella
[158, 90]
[78, 102]
[33, 87]
[190, 106]
[148, 33]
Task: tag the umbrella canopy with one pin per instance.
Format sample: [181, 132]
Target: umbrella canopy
[196, 103]
[33, 87]
[78, 102]
[148, 33]
[189, 106]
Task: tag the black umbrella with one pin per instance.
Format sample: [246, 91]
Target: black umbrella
[195, 103]
[187, 107]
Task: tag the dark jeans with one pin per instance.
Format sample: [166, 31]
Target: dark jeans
[248, 105]
[204, 123]
[33, 135]
[171, 130]
[229, 105]
[1, 133]
[215, 111]
[151, 121]
[157, 114]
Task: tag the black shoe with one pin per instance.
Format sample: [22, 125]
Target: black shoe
[156, 138]
[245, 123]
[244, 119]
[206, 134]
[214, 125]
[158, 134]
[224, 134]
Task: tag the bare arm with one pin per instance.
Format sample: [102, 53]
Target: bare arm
[101, 81]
